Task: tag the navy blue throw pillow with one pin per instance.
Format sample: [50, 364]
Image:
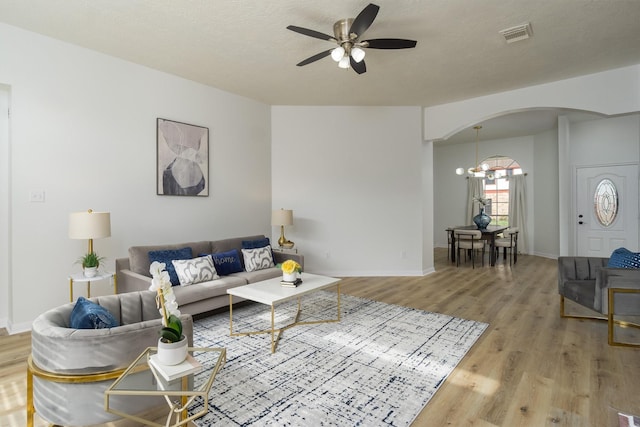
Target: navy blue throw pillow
[624, 258]
[255, 244]
[168, 255]
[226, 262]
[89, 315]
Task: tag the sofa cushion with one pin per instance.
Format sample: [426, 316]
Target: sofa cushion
[624, 258]
[255, 243]
[259, 275]
[227, 262]
[257, 259]
[166, 256]
[139, 255]
[195, 270]
[207, 290]
[89, 315]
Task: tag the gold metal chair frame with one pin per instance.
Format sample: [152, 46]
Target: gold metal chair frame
[34, 370]
[273, 330]
[610, 318]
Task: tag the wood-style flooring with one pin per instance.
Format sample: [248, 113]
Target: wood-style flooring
[530, 368]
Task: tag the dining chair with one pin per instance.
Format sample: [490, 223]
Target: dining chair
[508, 243]
[470, 240]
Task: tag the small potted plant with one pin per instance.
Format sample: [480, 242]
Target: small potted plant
[290, 270]
[90, 263]
[172, 345]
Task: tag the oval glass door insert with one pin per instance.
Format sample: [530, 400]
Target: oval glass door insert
[605, 201]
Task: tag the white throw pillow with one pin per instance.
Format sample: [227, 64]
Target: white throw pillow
[258, 259]
[196, 270]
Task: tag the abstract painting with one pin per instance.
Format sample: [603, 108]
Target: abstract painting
[182, 159]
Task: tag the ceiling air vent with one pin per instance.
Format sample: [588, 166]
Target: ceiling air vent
[517, 33]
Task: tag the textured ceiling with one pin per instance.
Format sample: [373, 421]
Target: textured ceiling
[244, 47]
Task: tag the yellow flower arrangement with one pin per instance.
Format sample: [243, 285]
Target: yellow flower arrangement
[290, 267]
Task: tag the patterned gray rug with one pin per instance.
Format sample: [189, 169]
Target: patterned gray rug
[378, 367]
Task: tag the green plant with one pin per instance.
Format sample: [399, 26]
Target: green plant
[90, 260]
[173, 331]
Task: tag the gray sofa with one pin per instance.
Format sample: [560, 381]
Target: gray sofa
[132, 273]
[67, 365]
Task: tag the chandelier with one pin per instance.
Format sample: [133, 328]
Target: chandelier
[477, 170]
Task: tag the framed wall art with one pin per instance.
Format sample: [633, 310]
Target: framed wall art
[182, 159]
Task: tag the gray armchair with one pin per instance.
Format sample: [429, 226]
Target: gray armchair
[69, 369]
[609, 292]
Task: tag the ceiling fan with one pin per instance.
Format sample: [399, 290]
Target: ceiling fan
[347, 33]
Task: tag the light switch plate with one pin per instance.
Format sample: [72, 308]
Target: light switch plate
[36, 196]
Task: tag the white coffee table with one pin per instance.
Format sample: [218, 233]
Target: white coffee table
[271, 292]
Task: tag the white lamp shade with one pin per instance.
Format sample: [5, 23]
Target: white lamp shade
[357, 54]
[282, 217]
[337, 53]
[459, 171]
[89, 225]
[344, 62]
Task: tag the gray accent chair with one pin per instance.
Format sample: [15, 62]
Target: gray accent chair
[70, 369]
[609, 292]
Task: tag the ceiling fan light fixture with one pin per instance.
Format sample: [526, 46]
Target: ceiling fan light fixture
[357, 54]
[337, 54]
[344, 62]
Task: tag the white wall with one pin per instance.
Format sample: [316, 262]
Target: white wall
[353, 177]
[84, 131]
[5, 265]
[610, 92]
[545, 195]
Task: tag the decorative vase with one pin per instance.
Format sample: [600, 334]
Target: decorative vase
[172, 353]
[90, 271]
[482, 220]
[290, 277]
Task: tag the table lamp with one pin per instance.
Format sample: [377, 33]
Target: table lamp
[281, 218]
[89, 225]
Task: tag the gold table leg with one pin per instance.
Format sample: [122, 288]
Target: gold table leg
[296, 322]
[30, 408]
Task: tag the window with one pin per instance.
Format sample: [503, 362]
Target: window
[498, 169]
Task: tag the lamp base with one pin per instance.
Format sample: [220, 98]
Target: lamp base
[286, 245]
[283, 242]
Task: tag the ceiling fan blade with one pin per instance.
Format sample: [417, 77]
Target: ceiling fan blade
[314, 58]
[311, 33]
[364, 19]
[389, 43]
[358, 67]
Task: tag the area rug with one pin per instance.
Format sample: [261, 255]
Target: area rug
[378, 366]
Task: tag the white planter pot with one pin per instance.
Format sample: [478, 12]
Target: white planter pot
[172, 353]
[90, 271]
[289, 277]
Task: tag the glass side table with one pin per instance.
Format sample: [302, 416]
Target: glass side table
[81, 278]
[141, 380]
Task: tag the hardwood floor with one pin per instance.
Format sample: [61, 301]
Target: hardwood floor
[530, 368]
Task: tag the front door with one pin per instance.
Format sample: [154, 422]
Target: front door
[607, 209]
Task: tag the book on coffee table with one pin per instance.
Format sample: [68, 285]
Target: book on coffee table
[289, 284]
[171, 372]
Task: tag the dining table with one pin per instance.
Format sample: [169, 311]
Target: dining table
[489, 234]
